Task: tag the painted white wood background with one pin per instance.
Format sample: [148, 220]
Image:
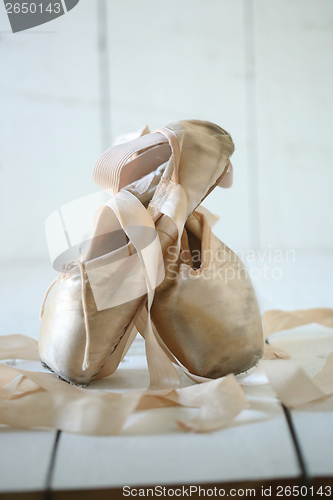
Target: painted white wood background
[262, 69]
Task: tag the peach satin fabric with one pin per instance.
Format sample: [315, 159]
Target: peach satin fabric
[34, 399]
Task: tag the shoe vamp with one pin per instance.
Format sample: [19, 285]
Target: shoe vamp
[62, 339]
[210, 320]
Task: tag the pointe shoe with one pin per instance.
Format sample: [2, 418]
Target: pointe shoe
[83, 337]
[205, 311]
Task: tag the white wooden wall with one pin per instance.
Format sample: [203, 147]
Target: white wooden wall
[262, 69]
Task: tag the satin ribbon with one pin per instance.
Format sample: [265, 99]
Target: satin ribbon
[31, 398]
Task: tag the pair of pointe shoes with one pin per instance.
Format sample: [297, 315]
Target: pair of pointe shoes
[201, 300]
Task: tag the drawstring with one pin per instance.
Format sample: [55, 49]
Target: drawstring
[45, 298]
[85, 363]
[85, 314]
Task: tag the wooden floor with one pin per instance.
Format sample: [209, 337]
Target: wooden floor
[267, 445]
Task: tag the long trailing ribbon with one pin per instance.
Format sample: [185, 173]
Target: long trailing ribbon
[31, 398]
[293, 386]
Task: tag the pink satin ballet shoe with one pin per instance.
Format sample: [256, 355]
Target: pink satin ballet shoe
[205, 311]
[88, 319]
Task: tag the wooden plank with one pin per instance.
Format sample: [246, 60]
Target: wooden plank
[25, 454]
[257, 450]
[294, 77]
[257, 446]
[24, 459]
[313, 426]
[291, 280]
[22, 288]
[231, 489]
[51, 131]
[186, 61]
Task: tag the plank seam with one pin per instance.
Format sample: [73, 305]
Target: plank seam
[104, 74]
[305, 478]
[49, 476]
